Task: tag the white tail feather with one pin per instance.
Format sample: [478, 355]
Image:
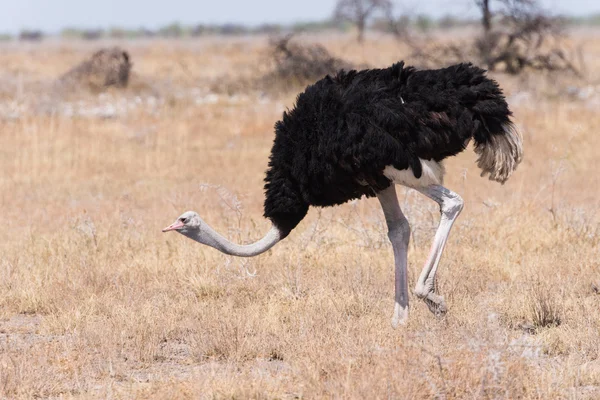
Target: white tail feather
[501, 155]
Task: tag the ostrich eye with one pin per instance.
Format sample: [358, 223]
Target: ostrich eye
[184, 220]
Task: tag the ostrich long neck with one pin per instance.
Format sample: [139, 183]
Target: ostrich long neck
[208, 236]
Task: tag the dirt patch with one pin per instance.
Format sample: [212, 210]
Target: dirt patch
[20, 323]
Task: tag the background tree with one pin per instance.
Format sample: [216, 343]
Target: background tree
[359, 12]
[515, 34]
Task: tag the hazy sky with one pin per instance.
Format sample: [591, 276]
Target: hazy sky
[52, 15]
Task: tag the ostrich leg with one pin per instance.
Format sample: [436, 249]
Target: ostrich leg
[399, 235]
[451, 205]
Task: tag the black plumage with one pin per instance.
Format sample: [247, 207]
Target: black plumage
[334, 144]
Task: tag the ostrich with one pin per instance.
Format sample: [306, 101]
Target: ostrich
[360, 133]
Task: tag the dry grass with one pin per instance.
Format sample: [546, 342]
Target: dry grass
[95, 302]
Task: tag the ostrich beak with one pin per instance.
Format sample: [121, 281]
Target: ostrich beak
[174, 226]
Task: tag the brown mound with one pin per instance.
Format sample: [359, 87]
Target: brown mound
[108, 67]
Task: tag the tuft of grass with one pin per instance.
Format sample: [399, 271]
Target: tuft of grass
[544, 308]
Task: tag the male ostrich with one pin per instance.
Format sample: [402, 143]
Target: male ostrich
[362, 132]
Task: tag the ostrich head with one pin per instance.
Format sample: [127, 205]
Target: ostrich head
[187, 222]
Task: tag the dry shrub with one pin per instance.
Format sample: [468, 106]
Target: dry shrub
[435, 54]
[522, 38]
[525, 42]
[286, 66]
[509, 52]
[109, 67]
[297, 64]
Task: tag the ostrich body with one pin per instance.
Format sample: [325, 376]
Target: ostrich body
[360, 133]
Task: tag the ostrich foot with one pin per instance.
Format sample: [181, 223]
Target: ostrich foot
[436, 304]
[400, 316]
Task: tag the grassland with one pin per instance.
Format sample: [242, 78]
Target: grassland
[95, 302]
